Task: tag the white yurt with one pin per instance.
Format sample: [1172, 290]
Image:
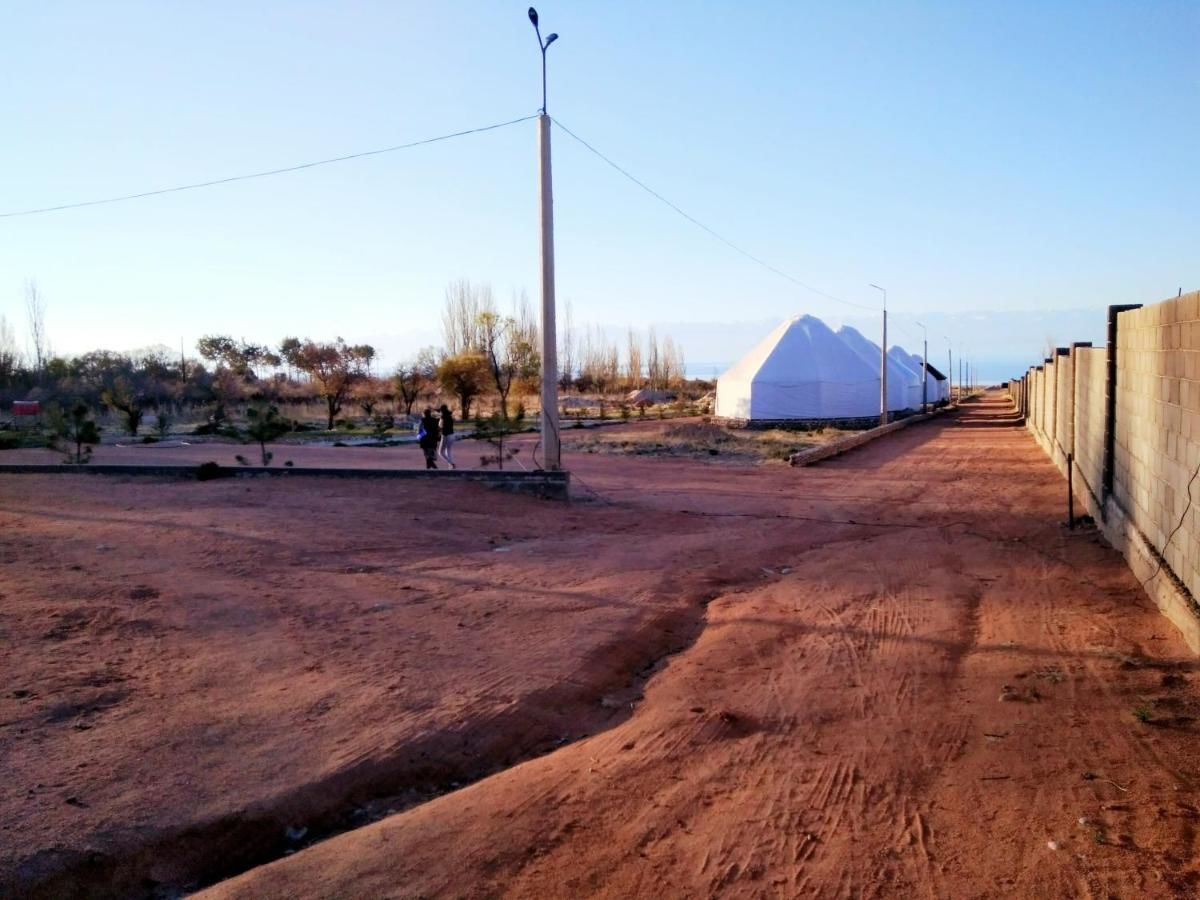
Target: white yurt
[912, 374]
[933, 388]
[939, 385]
[801, 370]
[899, 375]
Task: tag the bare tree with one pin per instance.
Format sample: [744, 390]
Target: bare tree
[633, 361]
[465, 302]
[10, 354]
[509, 346]
[671, 363]
[415, 377]
[35, 308]
[566, 351]
[653, 360]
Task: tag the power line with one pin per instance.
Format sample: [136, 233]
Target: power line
[724, 240]
[269, 172]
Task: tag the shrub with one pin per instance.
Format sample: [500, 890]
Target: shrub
[207, 471]
[265, 426]
[74, 428]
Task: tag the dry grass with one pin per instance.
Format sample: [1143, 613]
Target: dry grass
[702, 440]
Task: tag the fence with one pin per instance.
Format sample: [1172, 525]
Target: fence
[1126, 419]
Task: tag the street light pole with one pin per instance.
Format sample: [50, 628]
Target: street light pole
[883, 398]
[551, 445]
[924, 368]
[950, 369]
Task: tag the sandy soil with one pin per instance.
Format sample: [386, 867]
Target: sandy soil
[937, 704]
[898, 675]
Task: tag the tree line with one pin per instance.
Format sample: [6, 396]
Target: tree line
[485, 354]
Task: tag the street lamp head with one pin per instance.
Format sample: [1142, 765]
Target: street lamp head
[533, 16]
[550, 40]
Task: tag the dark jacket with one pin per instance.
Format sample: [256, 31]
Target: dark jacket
[432, 433]
[447, 423]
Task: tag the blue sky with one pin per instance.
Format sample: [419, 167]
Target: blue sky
[970, 156]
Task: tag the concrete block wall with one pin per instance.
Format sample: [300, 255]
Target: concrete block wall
[1049, 389]
[1064, 410]
[1151, 515]
[1158, 429]
[1034, 419]
[1090, 369]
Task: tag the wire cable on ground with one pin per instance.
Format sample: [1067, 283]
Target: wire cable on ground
[268, 172]
[724, 240]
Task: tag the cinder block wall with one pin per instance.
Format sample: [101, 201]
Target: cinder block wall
[1091, 365]
[1158, 428]
[1034, 421]
[1156, 445]
[1050, 384]
[1064, 410]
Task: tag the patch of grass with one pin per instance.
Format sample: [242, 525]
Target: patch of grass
[1099, 837]
[707, 441]
[14, 440]
[1143, 713]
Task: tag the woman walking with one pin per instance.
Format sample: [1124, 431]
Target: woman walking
[446, 447]
[427, 437]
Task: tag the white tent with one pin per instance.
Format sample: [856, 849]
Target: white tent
[915, 362]
[912, 375]
[939, 388]
[899, 375]
[801, 370]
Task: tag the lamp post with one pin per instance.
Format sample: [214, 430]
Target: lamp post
[950, 368]
[883, 403]
[924, 368]
[551, 445]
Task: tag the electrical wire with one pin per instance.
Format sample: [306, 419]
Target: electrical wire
[1183, 518]
[724, 240]
[267, 173]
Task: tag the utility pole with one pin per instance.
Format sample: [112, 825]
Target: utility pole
[883, 397]
[924, 368]
[551, 445]
[950, 369]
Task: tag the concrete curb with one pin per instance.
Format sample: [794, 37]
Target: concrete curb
[552, 485]
[844, 445]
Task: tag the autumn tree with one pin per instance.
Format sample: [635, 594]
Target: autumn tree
[509, 346]
[466, 376]
[415, 377]
[333, 367]
[237, 356]
[124, 397]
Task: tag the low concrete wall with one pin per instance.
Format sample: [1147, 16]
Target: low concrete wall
[553, 485]
[850, 442]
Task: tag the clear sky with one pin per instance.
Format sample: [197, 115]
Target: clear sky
[969, 156]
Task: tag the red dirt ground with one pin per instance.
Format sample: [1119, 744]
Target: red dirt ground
[898, 675]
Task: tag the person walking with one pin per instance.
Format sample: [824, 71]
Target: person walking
[446, 447]
[428, 436]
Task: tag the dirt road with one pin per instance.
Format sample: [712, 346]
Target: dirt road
[897, 674]
[945, 702]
